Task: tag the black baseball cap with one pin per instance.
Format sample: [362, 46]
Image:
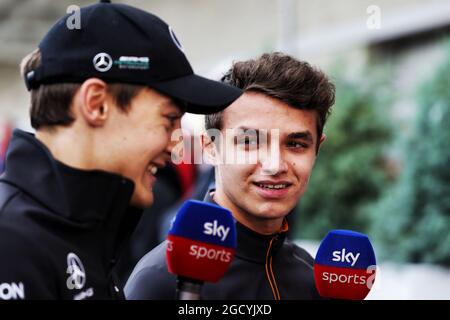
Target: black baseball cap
[122, 44]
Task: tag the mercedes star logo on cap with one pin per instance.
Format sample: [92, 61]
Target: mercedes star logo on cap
[103, 62]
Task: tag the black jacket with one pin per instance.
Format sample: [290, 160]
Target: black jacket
[61, 229]
[265, 267]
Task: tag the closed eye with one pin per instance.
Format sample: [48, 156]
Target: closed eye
[173, 119]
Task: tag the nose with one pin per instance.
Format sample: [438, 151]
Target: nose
[167, 154]
[173, 142]
[272, 163]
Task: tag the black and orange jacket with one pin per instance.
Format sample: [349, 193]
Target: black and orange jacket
[265, 267]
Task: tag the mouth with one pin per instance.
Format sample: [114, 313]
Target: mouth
[152, 169]
[272, 189]
[150, 173]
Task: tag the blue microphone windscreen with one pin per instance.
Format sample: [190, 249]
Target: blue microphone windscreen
[205, 222]
[348, 249]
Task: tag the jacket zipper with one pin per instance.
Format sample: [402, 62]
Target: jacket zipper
[269, 272]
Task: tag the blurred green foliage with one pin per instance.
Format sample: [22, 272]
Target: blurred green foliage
[412, 222]
[349, 173]
[405, 212]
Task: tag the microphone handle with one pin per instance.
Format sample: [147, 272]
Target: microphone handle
[188, 289]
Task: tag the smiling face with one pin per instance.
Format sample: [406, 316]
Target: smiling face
[262, 193]
[137, 143]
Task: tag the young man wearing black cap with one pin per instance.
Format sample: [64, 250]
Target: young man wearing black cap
[276, 126]
[105, 100]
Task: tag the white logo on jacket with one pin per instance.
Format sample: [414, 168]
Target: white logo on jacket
[12, 291]
[75, 269]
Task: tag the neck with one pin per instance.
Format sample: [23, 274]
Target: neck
[68, 146]
[260, 225]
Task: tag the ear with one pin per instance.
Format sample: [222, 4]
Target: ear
[93, 104]
[209, 149]
[322, 139]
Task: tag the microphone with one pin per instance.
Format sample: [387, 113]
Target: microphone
[345, 265]
[200, 246]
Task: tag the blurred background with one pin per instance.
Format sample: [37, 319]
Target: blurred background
[385, 167]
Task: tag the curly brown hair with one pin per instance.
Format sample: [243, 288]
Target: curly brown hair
[282, 77]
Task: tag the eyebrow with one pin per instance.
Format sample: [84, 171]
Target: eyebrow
[303, 135]
[245, 130]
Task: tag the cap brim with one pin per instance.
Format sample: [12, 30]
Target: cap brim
[201, 95]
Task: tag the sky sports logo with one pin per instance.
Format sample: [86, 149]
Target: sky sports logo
[348, 276]
[355, 278]
[344, 256]
[201, 252]
[350, 258]
[343, 277]
[216, 230]
[201, 241]
[345, 265]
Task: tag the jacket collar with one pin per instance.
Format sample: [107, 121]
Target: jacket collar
[253, 246]
[86, 199]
